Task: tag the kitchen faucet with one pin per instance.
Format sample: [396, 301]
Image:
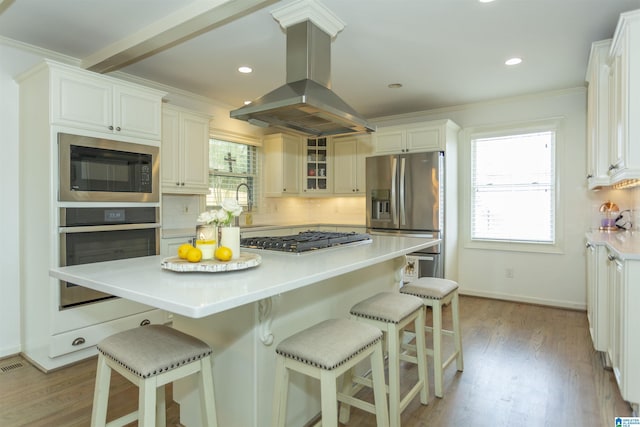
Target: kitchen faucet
[249, 201]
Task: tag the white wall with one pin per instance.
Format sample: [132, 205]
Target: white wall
[12, 62]
[553, 279]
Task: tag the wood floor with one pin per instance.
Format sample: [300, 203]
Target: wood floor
[525, 365]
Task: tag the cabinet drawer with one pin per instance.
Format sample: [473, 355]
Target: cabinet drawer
[79, 339]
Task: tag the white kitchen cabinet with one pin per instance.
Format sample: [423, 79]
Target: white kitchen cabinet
[91, 101]
[349, 164]
[598, 115]
[624, 317]
[624, 152]
[169, 245]
[282, 165]
[597, 295]
[184, 151]
[49, 104]
[317, 167]
[414, 138]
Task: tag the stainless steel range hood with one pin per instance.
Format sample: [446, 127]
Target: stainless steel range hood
[305, 103]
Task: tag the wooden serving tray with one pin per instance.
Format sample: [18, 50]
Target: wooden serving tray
[244, 261]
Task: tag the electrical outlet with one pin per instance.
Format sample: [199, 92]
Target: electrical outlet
[508, 273]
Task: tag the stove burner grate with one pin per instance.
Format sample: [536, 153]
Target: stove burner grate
[304, 241]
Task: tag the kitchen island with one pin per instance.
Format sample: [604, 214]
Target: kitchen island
[243, 314]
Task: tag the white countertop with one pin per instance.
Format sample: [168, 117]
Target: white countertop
[625, 244]
[198, 295]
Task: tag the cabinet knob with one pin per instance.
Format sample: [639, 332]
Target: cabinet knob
[110, 127]
[612, 167]
[177, 183]
[145, 322]
[284, 189]
[589, 176]
[118, 129]
[182, 184]
[78, 341]
[611, 257]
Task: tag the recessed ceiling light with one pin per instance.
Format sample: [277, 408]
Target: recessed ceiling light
[247, 102]
[485, 1]
[513, 61]
[245, 70]
[394, 85]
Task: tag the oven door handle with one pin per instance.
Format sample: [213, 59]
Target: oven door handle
[111, 227]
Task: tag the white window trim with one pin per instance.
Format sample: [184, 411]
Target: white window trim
[468, 134]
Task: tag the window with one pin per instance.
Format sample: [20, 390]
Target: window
[230, 165]
[513, 186]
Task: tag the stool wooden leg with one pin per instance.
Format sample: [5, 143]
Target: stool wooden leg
[345, 409]
[379, 386]
[101, 393]
[161, 406]
[329, 399]
[421, 348]
[394, 374]
[207, 395]
[437, 347]
[279, 414]
[455, 312]
[147, 402]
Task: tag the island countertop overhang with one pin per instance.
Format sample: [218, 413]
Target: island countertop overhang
[198, 295]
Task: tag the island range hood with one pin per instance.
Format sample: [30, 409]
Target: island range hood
[305, 104]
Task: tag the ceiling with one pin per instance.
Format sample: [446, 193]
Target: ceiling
[443, 52]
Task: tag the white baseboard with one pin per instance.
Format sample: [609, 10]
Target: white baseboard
[520, 298]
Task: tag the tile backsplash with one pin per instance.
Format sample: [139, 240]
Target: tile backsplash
[180, 211]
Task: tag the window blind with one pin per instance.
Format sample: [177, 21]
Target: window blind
[513, 188]
[232, 164]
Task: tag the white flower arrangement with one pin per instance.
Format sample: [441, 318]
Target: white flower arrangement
[223, 216]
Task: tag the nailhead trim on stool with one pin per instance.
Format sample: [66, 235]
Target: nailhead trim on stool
[151, 357]
[325, 351]
[391, 312]
[436, 293]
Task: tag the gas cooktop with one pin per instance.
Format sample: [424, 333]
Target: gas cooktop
[304, 241]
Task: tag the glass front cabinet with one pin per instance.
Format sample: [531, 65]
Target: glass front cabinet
[316, 167]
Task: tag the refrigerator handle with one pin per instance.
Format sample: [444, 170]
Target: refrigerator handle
[403, 219]
[394, 174]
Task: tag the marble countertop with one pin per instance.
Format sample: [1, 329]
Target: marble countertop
[625, 244]
[199, 295]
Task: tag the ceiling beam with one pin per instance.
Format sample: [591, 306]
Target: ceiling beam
[186, 23]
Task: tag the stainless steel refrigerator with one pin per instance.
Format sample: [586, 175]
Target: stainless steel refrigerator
[405, 195]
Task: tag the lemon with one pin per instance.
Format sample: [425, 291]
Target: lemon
[223, 253]
[183, 250]
[194, 255]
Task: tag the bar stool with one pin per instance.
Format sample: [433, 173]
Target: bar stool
[151, 357]
[436, 293]
[391, 312]
[326, 351]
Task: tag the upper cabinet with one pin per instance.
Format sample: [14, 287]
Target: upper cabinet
[598, 114]
[613, 133]
[317, 167]
[414, 138]
[184, 151]
[282, 164]
[625, 73]
[349, 154]
[98, 103]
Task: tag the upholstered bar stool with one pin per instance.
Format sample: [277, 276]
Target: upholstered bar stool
[151, 357]
[326, 351]
[391, 312]
[436, 293]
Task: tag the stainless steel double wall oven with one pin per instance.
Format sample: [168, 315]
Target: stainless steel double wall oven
[109, 206]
